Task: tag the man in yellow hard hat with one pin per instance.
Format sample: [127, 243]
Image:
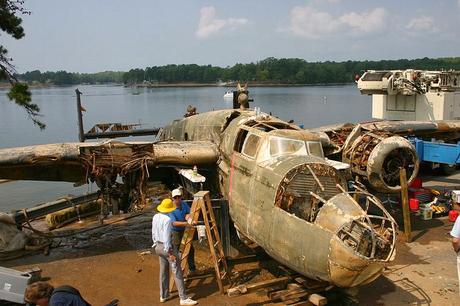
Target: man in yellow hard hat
[161, 236]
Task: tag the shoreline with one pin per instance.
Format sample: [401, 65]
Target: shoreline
[181, 85]
[230, 85]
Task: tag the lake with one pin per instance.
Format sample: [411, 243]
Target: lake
[311, 106]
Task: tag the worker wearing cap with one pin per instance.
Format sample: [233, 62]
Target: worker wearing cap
[161, 236]
[180, 218]
[455, 233]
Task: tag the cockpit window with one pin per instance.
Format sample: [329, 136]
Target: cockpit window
[238, 147]
[280, 146]
[250, 145]
[314, 148]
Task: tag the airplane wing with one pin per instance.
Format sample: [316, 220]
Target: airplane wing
[446, 130]
[78, 162]
[400, 127]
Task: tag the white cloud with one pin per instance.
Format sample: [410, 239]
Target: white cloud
[422, 23]
[329, 1]
[308, 22]
[210, 25]
[366, 22]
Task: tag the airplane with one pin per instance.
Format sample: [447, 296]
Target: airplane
[283, 194]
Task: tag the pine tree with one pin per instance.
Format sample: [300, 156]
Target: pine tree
[10, 23]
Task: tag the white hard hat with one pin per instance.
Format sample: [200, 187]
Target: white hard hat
[176, 192]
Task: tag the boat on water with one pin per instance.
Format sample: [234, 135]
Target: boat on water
[228, 94]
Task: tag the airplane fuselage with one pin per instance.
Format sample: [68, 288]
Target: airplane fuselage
[267, 169]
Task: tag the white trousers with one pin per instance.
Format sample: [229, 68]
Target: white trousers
[458, 271]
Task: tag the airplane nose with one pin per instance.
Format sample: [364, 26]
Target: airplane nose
[348, 268]
[364, 237]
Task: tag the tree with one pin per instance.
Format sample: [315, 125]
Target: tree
[19, 92]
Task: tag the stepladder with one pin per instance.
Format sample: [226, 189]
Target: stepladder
[202, 212]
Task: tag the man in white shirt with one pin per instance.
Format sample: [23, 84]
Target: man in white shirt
[455, 233]
[161, 236]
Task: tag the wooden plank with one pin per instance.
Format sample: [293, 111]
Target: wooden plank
[296, 294]
[405, 204]
[292, 286]
[287, 294]
[267, 283]
[274, 288]
[317, 299]
[311, 283]
[301, 303]
[291, 301]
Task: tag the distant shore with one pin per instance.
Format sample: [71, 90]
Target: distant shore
[232, 85]
[190, 84]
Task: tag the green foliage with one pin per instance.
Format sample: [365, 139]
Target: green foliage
[68, 78]
[19, 92]
[281, 71]
[268, 71]
[9, 22]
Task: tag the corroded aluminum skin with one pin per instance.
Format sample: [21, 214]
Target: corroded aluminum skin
[310, 248]
[251, 187]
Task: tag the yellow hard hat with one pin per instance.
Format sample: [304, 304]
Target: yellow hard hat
[166, 206]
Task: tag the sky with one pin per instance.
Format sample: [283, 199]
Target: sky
[118, 35]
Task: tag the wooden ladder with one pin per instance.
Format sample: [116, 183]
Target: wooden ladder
[202, 206]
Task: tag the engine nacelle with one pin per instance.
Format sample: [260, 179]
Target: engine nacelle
[377, 157]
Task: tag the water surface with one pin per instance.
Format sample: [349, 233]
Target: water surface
[312, 106]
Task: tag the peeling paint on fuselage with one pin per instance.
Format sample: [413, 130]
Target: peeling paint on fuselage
[252, 185]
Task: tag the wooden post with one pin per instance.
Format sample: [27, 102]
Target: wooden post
[81, 133]
[405, 204]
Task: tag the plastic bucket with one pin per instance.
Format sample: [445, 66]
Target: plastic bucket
[453, 215]
[416, 183]
[427, 213]
[414, 204]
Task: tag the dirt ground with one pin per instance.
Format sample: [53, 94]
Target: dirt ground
[110, 265]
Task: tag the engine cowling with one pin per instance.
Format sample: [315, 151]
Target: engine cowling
[377, 157]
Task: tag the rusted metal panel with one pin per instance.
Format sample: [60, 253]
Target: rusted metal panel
[282, 194]
[76, 161]
[347, 270]
[374, 151]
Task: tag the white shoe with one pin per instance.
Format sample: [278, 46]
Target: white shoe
[162, 300]
[188, 301]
